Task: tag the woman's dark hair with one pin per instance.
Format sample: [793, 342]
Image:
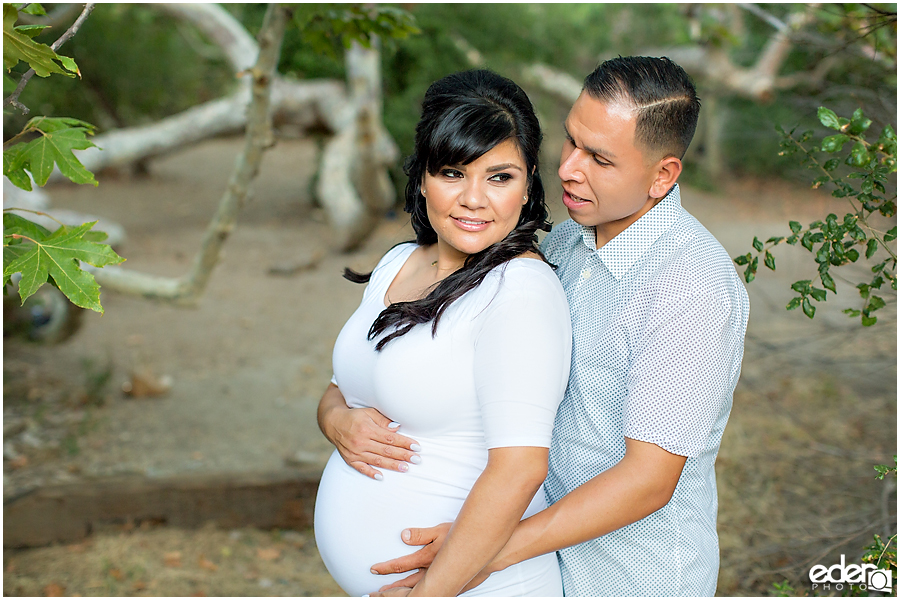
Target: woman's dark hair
[464, 116]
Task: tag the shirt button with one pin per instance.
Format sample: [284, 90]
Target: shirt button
[586, 274]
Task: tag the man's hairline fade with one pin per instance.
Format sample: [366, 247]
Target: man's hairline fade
[616, 93]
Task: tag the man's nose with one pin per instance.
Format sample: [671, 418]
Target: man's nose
[571, 167]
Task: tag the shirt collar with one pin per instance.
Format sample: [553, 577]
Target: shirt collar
[621, 252]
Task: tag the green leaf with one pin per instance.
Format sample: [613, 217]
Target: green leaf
[852, 312]
[858, 122]
[818, 294]
[31, 31]
[15, 224]
[775, 240]
[55, 147]
[834, 143]
[56, 257]
[828, 118]
[17, 176]
[757, 244]
[801, 287]
[806, 241]
[770, 260]
[808, 309]
[868, 321]
[792, 240]
[891, 234]
[749, 274]
[853, 254]
[875, 303]
[19, 47]
[795, 226]
[828, 282]
[794, 303]
[35, 9]
[859, 156]
[871, 247]
[743, 259]
[831, 164]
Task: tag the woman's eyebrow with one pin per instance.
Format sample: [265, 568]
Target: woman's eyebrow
[503, 167]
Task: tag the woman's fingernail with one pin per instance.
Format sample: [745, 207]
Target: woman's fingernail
[373, 571]
[415, 447]
[405, 535]
[415, 459]
[393, 424]
[403, 467]
[379, 476]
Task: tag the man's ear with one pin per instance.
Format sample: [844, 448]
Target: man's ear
[667, 172]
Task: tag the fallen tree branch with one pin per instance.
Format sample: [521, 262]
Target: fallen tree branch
[65, 37]
[258, 137]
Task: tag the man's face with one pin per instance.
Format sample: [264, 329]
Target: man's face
[606, 179]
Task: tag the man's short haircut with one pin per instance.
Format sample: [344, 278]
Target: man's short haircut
[660, 92]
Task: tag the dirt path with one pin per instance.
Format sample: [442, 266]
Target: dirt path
[816, 406]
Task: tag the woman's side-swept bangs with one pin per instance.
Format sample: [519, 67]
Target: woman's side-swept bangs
[466, 133]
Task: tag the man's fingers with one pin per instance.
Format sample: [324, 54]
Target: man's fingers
[420, 536]
[417, 560]
[398, 592]
[409, 582]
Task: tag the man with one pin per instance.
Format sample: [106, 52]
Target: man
[659, 316]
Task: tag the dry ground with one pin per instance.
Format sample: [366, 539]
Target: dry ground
[815, 409]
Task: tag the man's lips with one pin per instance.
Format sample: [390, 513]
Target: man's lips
[573, 201]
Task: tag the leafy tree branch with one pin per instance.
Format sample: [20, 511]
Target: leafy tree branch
[871, 163]
[22, 41]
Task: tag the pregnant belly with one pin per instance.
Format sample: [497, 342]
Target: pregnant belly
[358, 520]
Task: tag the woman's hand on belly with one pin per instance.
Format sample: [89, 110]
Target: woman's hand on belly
[364, 437]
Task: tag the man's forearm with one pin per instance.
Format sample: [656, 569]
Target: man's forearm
[639, 485]
[489, 515]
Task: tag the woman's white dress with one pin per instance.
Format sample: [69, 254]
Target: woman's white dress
[493, 376]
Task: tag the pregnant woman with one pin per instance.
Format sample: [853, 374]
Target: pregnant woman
[463, 337]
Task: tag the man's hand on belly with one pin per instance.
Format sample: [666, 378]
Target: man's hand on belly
[431, 538]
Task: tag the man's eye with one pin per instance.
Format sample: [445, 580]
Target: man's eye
[601, 162]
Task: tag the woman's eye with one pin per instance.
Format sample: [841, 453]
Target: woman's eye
[451, 173]
[501, 177]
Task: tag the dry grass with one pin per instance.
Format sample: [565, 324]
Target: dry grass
[796, 483]
[172, 562]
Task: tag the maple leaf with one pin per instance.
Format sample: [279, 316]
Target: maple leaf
[18, 46]
[40, 256]
[59, 137]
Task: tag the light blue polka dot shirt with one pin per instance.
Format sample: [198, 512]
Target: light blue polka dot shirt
[658, 319]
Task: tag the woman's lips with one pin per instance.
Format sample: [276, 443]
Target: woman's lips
[573, 201]
[471, 224]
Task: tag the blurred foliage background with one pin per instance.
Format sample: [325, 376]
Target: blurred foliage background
[138, 65]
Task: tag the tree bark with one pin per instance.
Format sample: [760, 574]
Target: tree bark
[354, 188]
[258, 137]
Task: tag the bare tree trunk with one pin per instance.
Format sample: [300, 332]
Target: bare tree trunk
[257, 138]
[354, 188]
[353, 184]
